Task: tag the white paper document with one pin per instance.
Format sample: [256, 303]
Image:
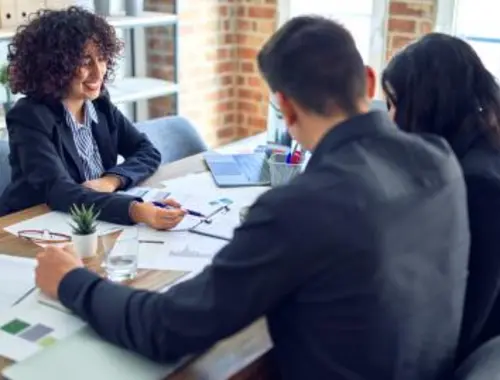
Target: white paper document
[221, 226]
[199, 193]
[179, 251]
[28, 327]
[57, 222]
[17, 278]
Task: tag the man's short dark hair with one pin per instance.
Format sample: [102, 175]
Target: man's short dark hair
[314, 61]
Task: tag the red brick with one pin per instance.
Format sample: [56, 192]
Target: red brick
[425, 27]
[247, 107]
[261, 12]
[401, 25]
[254, 82]
[398, 42]
[224, 67]
[405, 9]
[247, 53]
[223, 10]
[225, 133]
[243, 26]
[247, 67]
[226, 80]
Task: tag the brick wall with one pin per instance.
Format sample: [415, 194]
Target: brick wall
[408, 19]
[221, 91]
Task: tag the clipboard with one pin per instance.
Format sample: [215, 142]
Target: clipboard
[220, 224]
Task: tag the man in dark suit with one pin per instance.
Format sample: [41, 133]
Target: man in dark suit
[359, 264]
[65, 136]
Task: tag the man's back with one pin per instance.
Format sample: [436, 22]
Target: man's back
[359, 265]
[379, 218]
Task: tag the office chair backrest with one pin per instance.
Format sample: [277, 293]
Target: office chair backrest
[482, 364]
[378, 105]
[4, 165]
[174, 136]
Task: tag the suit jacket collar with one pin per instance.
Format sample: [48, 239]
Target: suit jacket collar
[357, 127]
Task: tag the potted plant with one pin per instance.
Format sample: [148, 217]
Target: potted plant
[84, 230]
[4, 80]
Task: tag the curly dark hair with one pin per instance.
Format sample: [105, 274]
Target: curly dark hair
[45, 54]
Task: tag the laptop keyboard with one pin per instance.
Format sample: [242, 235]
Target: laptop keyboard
[253, 166]
[224, 168]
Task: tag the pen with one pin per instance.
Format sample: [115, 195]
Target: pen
[25, 295]
[151, 242]
[190, 212]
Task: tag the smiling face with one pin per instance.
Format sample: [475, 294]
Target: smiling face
[89, 77]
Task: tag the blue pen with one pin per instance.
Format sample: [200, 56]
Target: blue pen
[189, 212]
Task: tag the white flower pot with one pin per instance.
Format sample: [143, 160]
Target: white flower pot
[85, 245]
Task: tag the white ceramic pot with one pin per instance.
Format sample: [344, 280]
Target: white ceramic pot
[85, 245]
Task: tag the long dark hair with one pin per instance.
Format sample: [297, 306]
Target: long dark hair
[439, 85]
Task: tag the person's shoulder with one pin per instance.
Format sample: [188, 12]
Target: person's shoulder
[482, 160]
[31, 113]
[431, 155]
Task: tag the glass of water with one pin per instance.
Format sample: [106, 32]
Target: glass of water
[120, 258]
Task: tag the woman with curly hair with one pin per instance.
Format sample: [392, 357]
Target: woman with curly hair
[439, 85]
[65, 135]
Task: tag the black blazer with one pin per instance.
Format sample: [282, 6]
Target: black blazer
[359, 265]
[480, 161]
[46, 167]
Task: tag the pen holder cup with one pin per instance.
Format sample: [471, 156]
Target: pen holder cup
[281, 172]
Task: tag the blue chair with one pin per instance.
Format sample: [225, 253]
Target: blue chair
[482, 364]
[378, 104]
[174, 136]
[4, 165]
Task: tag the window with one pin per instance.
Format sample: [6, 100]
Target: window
[476, 21]
[365, 19]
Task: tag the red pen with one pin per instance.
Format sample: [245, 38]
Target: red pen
[295, 159]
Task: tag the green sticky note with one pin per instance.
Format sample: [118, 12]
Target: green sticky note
[15, 326]
[47, 341]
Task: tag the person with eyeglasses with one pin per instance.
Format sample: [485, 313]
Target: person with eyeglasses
[65, 134]
[359, 264]
[439, 85]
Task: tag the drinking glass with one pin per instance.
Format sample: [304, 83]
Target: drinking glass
[120, 258]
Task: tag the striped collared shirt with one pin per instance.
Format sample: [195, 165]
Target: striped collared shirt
[85, 142]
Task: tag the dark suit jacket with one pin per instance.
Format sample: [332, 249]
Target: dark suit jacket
[46, 167]
[359, 265]
[480, 160]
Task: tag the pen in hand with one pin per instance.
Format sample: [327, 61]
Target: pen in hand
[189, 212]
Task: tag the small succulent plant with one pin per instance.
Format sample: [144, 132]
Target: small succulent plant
[84, 220]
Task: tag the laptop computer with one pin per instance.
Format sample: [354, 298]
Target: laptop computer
[234, 170]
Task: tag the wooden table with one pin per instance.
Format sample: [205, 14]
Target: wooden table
[240, 357]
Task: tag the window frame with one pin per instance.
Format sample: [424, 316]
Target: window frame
[378, 31]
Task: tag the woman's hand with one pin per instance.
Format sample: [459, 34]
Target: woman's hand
[157, 217]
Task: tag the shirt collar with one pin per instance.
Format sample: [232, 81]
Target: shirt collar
[353, 128]
[90, 114]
